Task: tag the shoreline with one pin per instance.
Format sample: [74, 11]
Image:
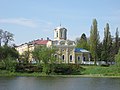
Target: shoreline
[63, 76]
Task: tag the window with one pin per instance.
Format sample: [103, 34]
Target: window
[63, 50]
[57, 33]
[70, 58]
[78, 58]
[63, 57]
[61, 33]
[55, 56]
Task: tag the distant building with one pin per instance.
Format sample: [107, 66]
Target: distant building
[67, 48]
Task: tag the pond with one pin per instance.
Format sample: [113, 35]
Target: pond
[58, 83]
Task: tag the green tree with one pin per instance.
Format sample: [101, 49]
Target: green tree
[116, 43]
[117, 59]
[45, 56]
[9, 64]
[99, 50]
[6, 51]
[8, 57]
[1, 36]
[7, 37]
[82, 42]
[94, 40]
[107, 45]
[1, 53]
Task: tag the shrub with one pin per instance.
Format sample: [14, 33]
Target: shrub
[9, 64]
[66, 69]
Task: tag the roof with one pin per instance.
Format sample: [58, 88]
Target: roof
[60, 27]
[81, 50]
[40, 42]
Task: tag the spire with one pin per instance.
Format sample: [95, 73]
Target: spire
[60, 24]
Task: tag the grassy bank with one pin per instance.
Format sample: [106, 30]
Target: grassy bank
[101, 71]
[89, 71]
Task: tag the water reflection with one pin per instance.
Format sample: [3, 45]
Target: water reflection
[54, 83]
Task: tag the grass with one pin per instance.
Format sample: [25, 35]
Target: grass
[101, 71]
[89, 71]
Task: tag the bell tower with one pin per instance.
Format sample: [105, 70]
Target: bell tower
[60, 33]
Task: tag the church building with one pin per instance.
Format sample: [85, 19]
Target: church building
[67, 48]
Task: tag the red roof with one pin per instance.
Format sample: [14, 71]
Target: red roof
[40, 42]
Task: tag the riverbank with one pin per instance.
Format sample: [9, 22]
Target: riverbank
[90, 71]
[63, 76]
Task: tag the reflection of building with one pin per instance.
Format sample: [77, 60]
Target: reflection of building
[66, 48]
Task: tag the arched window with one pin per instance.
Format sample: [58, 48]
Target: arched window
[63, 58]
[78, 58]
[55, 56]
[70, 58]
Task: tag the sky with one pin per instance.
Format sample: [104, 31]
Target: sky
[35, 19]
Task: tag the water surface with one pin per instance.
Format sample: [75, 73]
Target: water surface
[58, 83]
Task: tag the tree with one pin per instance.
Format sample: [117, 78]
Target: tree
[44, 55]
[107, 45]
[94, 40]
[1, 36]
[1, 53]
[7, 37]
[117, 59]
[116, 46]
[8, 56]
[82, 42]
[99, 51]
[8, 51]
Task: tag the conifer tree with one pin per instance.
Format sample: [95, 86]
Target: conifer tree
[82, 42]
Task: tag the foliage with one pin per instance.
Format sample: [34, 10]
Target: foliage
[9, 64]
[66, 69]
[82, 42]
[117, 59]
[6, 51]
[28, 68]
[45, 55]
[7, 37]
[116, 44]
[107, 44]
[94, 40]
[1, 36]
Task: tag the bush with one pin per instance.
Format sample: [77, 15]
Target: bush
[66, 69]
[29, 68]
[9, 64]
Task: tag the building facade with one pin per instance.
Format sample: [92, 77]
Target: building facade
[67, 48]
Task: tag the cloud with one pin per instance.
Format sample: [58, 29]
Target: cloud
[20, 21]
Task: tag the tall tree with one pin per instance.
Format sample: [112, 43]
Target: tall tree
[1, 36]
[94, 40]
[7, 37]
[82, 42]
[116, 48]
[107, 44]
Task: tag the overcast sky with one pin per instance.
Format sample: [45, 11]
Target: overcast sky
[35, 19]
